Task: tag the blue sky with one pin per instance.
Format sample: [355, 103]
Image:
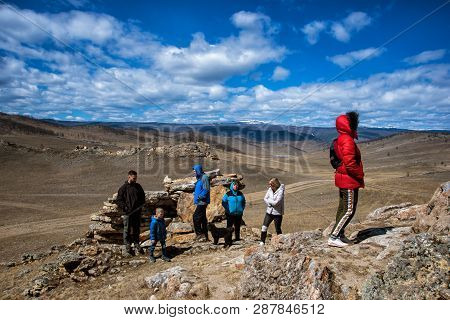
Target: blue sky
[285, 61]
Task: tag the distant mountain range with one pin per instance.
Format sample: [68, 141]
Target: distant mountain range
[257, 131]
[248, 130]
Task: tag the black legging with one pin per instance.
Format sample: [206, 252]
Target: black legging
[235, 220]
[267, 221]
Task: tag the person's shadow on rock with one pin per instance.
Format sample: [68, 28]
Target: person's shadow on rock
[370, 232]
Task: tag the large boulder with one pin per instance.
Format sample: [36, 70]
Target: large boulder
[214, 212]
[436, 217]
[418, 271]
[282, 272]
[177, 283]
[180, 227]
[298, 277]
[387, 211]
[302, 266]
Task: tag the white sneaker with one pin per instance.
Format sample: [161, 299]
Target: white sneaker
[336, 243]
[261, 243]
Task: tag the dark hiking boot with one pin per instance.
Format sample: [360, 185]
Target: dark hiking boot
[166, 258]
[152, 257]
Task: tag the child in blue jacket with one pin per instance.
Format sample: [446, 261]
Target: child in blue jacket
[158, 233]
[234, 203]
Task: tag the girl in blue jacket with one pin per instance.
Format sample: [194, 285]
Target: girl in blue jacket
[234, 203]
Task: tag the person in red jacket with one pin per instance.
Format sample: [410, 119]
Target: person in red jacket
[349, 176]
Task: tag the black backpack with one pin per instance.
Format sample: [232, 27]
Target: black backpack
[334, 159]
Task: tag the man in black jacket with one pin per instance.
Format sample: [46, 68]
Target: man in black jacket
[131, 198]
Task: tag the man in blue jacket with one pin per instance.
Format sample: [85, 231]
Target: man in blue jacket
[158, 233]
[234, 203]
[201, 200]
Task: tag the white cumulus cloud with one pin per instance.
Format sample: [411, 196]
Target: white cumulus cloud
[280, 73]
[349, 58]
[341, 30]
[426, 56]
[312, 31]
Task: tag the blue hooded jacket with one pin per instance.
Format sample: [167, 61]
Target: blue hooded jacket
[201, 191]
[233, 201]
[158, 229]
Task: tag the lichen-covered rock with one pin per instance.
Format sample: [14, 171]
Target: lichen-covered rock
[285, 271]
[294, 276]
[419, 270]
[69, 260]
[86, 264]
[387, 211]
[436, 217]
[302, 266]
[41, 285]
[177, 283]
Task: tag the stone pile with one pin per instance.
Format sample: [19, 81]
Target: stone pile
[80, 261]
[176, 200]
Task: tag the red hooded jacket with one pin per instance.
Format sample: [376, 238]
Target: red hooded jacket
[350, 174]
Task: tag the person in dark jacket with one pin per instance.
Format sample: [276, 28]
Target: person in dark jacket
[131, 199]
[158, 233]
[201, 200]
[234, 203]
[349, 176]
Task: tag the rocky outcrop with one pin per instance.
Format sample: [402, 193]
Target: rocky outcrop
[79, 261]
[180, 227]
[436, 216]
[419, 270]
[177, 283]
[183, 150]
[280, 273]
[388, 259]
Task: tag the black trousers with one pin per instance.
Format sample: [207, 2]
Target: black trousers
[131, 228]
[277, 220]
[200, 221]
[235, 220]
[268, 218]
